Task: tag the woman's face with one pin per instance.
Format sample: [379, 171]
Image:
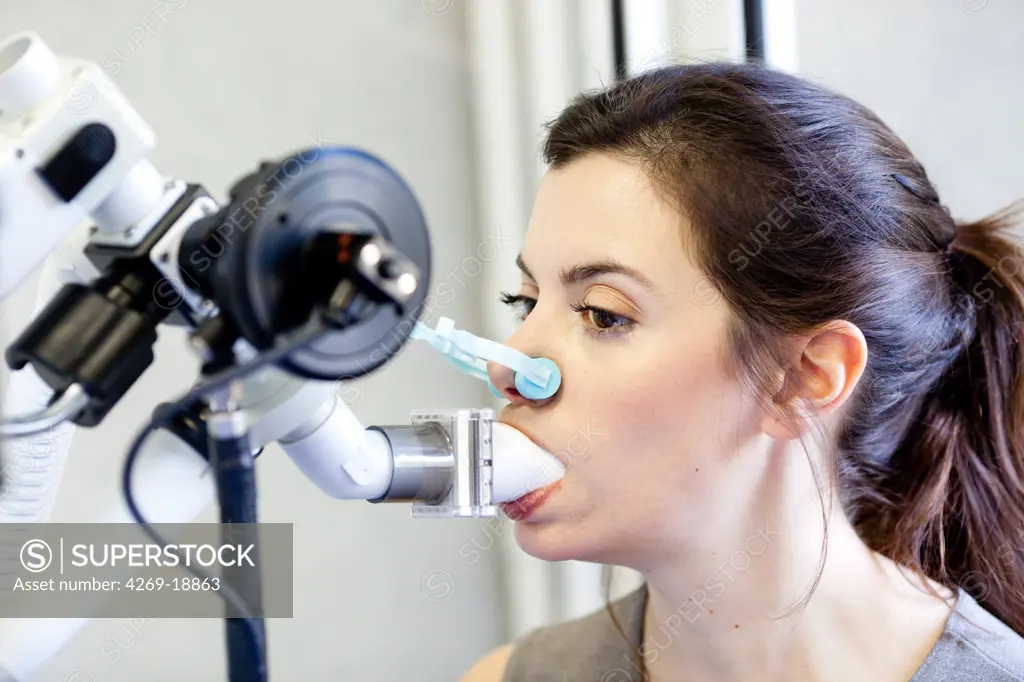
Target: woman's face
[646, 417]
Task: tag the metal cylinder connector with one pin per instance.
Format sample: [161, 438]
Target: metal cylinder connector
[443, 463]
[423, 462]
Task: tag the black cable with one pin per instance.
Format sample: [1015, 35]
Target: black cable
[163, 416]
[224, 377]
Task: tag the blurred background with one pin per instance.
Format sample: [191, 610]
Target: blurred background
[453, 94]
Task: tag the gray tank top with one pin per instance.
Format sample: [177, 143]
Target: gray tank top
[974, 647]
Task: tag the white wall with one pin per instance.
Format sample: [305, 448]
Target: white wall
[946, 75]
[226, 84]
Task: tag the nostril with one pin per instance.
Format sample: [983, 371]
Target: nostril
[509, 393]
[514, 396]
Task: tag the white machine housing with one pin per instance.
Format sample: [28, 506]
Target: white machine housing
[43, 96]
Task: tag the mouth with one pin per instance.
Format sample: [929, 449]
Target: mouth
[524, 507]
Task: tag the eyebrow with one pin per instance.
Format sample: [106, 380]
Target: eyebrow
[584, 271]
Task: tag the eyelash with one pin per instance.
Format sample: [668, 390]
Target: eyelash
[518, 301]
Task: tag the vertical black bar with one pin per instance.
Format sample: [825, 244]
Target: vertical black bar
[619, 39]
[753, 21]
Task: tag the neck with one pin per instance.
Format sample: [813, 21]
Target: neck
[731, 605]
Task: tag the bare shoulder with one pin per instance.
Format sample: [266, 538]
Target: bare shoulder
[490, 668]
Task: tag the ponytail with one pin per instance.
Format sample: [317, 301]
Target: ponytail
[957, 480]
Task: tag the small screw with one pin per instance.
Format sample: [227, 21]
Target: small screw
[407, 283]
[19, 153]
[129, 231]
[164, 257]
[93, 229]
[372, 254]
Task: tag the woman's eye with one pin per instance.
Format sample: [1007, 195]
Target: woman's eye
[603, 321]
[523, 304]
[599, 320]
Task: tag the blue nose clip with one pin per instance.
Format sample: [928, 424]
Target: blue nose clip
[535, 378]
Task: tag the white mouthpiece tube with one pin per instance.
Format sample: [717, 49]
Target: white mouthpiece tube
[520, 465]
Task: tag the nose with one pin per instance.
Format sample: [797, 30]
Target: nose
[504, 380]
[533, 383]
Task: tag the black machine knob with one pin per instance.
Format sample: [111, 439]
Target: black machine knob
[80, 159]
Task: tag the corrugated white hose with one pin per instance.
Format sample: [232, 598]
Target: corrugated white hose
[33, 465]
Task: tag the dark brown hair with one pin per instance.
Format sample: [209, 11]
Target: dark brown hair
[805, 208]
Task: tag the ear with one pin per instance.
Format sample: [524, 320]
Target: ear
[827, 365]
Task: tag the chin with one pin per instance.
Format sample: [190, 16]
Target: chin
[556, 541]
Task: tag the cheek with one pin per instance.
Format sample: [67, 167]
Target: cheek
[662, 420]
